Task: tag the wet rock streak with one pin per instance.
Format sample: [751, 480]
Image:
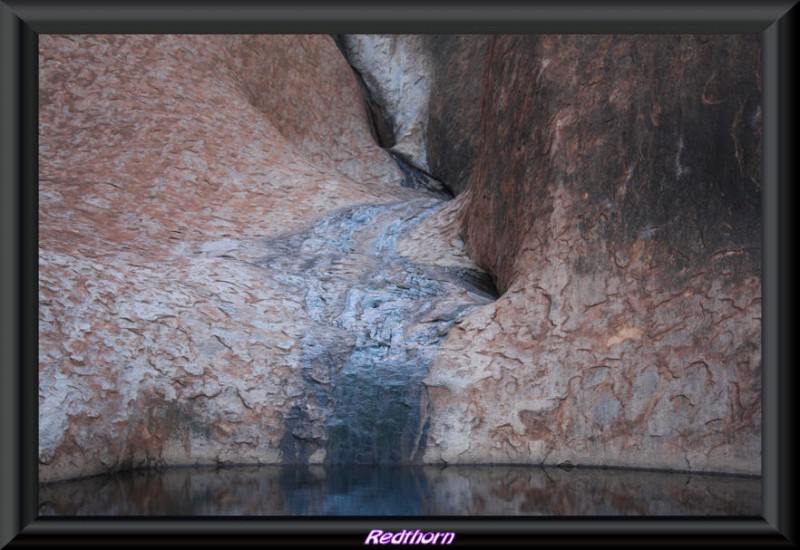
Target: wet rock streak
[377, 319]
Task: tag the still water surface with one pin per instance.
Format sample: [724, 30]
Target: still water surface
[401, 491]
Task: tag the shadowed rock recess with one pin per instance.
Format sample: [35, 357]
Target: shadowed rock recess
[233, 270]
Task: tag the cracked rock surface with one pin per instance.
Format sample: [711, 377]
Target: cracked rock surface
[232, 271]
[217, 275]
[611, 185]
[397, 70]
[616, 200]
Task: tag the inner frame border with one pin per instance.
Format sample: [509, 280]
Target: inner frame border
[22, 21]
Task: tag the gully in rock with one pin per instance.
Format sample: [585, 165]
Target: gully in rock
[374, 333]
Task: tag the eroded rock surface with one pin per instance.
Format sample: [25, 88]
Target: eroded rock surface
[216, 246]
[616, 201]
[425, 91]
[397, 70]
[455, 106]
[376, 320]
[611, 186]
[232, 270]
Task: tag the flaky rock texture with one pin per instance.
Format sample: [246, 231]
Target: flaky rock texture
[233, 271]
[425, 93]
[158, 155]
[213, 215]
[616, 201]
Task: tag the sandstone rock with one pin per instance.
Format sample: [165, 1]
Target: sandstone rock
[455, 106]
[397, 70]
[426, 91]
[616, 201]
[184, 181]
[232, 271]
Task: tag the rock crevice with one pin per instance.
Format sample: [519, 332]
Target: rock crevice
[234, 270]
[611, 187]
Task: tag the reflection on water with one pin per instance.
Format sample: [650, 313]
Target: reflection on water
[401, 491]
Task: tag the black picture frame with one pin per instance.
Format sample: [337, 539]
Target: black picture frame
[22, 21]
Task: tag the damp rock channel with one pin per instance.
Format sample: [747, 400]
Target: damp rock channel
[376, 319]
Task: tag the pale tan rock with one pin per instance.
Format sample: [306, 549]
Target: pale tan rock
[398, 70]
[162, 159]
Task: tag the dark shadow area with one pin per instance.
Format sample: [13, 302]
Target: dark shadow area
[379, 122]
[476, 281]
[420, 180]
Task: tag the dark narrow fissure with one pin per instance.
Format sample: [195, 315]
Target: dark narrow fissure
[382, 130]
[379, 122]
[420, 180]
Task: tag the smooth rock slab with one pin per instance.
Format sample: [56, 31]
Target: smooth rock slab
[397, 70]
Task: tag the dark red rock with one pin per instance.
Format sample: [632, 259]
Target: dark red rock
[616, 200]
[655, 137]
[457, 62]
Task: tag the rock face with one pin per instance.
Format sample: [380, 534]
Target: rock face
[425, 91]
[216, 249]
[616, 201]
[233, 271]
[455, 107]
[397, 70]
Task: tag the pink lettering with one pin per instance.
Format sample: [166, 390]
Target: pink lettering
[372, 538]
